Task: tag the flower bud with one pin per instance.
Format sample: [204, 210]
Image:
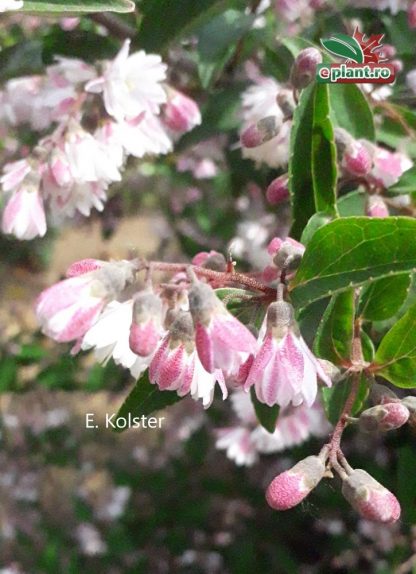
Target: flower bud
[382, 418]
[146, 326]
[357, 160]
[261, 132]
[290, 487]
[181, 113]
[278, 190]
[287, 254]
[411, 15]
[397, 65]
[381, 394]
[304, 68]
[210, 260]
[369, 498]
[376, 207]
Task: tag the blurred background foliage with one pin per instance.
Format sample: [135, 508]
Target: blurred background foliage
[80, 500]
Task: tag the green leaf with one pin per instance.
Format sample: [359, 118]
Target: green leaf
[406, 478]
[317, 221]
[24, 58]
[267, 416]
[87, 46]
[217, 43]
[144, 400]
[345, 47]
[383, 298]
[348, 252]
[334, 398]
[395, 358]
[352, 203]
[334, 337]
[407, 183]
[165, 21]
[55, 7]
[350, 110]
[324, 154]
[230, 293]
[300, 176]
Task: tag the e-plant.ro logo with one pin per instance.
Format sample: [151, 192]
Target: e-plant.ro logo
[365, 63]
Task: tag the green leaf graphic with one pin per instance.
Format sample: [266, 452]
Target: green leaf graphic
[345, 47]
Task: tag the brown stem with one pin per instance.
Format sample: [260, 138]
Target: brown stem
[220, 276]
[114, 25]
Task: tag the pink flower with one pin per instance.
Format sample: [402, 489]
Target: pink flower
[69, 308]
[222, 341]
[278, 190]
[388, 166]
[411, 15]
[181, 114]
[131, 84]
[370, 498]
[176, 365]
[14, 174]
[357, 160]
[284, 370]
[24, 215]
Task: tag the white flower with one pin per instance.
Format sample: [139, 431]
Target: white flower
[143, 136]
[109, 337]
[131, 84]
[6, 5]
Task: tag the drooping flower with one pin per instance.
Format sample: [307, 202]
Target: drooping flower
[222, 341]
[131, 84]
[69, 308]
[376, 206]
[388, 166]
[247, 439]
[284, 370]
[176, 365]
[109, 337]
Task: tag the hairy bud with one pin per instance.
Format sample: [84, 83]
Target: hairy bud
[382, 418]
[261, 132]
[289, 488]
[304, 69]
[286, 103]
[210, 260]
[288, 254]
[369, 498]
[278, 190]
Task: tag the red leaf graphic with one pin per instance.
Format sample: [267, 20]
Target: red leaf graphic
[370, 47]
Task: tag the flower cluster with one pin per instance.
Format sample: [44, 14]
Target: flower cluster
[69, 171]
[182, 332]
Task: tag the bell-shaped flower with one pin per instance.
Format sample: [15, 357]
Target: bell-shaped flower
[284, 370]
[146, 327]
[69, 308]
[109, 337]
[24, 214]
[222, 341]
[176, 365]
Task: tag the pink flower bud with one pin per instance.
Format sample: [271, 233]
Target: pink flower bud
[261, 132]
[389, 51]
[381, 394]
[411, 15]
[286, 103]
[289, 488]
[181, 113]
[146, 327]
[376, 207]
[369, 498]
[304, 68]
[357, 160]
[382, 418]
[278, 190]
[210, 260]
[286, 254]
